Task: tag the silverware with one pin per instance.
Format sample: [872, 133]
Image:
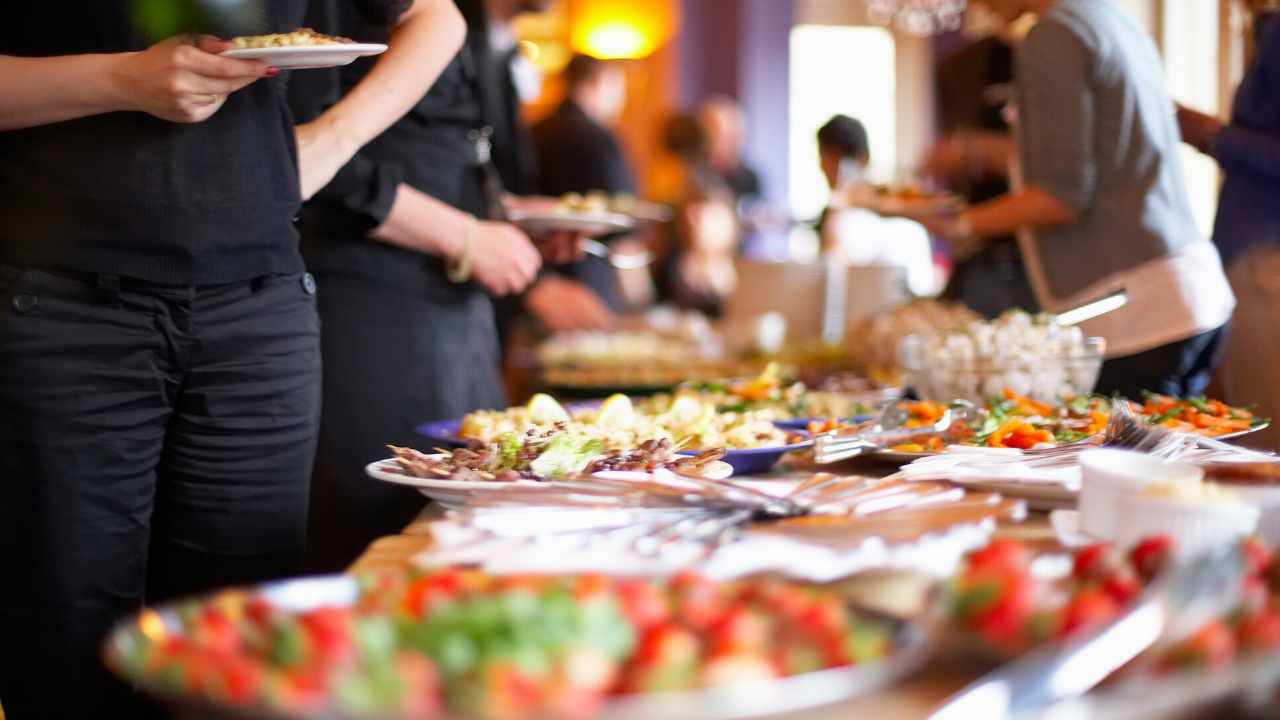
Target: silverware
[1174, 606]
[1093, 309]
[887, 432]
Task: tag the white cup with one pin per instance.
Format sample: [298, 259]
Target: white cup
[1107, 476]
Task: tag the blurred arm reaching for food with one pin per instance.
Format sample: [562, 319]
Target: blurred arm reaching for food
[424, 38]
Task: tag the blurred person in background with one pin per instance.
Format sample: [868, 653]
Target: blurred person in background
[159, 342]
[972, 158]
[695, 265]
[577, 152]
[1247, 228]
[407, 262]
[1103, 190]
[855, 236]
[725, 130]
[561, 298]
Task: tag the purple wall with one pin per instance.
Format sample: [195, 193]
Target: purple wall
[739, 48]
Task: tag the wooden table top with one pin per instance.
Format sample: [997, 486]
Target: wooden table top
[912, 697]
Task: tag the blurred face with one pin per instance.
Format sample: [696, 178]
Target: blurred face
[724, 127]
[612, 92]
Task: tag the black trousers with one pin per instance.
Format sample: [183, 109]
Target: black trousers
[1181, 368]
[155, 441]
[393, 358]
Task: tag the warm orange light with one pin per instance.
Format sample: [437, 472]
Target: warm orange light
[619, 29]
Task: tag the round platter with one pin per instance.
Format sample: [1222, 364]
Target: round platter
[732, 703]
[300, 57]
[592, 224]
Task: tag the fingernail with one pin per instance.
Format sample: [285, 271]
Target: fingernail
[272, 71]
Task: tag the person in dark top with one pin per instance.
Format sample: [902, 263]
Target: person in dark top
[407, 266]
[495, 50]
[973, 83]
[159, 344]
[724, 127]
[578, 153]
[1247, 227]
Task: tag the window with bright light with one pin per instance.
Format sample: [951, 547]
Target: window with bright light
[838, 69]
[1191, 70]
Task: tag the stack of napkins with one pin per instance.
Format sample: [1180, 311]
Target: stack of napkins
[569, 540]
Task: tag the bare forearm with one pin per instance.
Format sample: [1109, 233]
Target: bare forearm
[423, 224]
[1031, 207]
[424, 40]
[39, 91]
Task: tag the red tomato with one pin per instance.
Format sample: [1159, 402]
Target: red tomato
[1123, 587]
[1257, 555]
[215, 633]
[1096, 562]
[429, 591]
[642, 603]
[667, 644]
[508, 693]
[1260, 632]
[1002, 555]
[1088, 609]
[698, 601]
[329, 630]
[241, 678]
[740, 630]
[1002, 605]
[1150, 555]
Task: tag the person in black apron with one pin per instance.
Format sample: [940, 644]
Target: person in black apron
[408, 323]
[159, 341]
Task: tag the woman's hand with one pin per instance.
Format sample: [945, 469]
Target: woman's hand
[561, 304]
[503, 259]
[183, 79]
[1197, 128]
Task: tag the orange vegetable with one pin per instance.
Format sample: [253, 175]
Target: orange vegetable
[1018, 434]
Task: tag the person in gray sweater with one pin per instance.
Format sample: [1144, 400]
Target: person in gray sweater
[1101, 197]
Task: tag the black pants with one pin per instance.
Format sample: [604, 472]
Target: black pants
[393, 359]
[1181, 368]
[155, 441]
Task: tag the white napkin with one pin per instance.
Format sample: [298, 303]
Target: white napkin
[500, 541]
[963, 464]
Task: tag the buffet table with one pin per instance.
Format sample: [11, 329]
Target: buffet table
[914, 697]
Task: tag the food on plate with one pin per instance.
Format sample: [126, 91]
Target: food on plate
[550, 454]
[1244, 473]
[996, 597]
[1196, 415]
[1011, 420]
[302, 37]
[461, 643]
[1033, 355]
[768, 393]
[618, 424]
[597, 202]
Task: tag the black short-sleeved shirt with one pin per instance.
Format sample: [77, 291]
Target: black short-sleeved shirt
[130, 194]
[427, 149]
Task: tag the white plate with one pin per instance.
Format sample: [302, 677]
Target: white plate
[593, 224]
[452, 493]
[298, 57]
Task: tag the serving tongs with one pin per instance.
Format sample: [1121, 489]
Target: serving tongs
[1172, 608]
[890, 430]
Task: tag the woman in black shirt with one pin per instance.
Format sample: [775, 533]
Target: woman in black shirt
[159, 344]
[407, 271]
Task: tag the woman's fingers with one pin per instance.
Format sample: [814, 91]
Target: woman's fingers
[216, 66]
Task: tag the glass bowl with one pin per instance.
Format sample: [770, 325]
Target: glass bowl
[1046, 377]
